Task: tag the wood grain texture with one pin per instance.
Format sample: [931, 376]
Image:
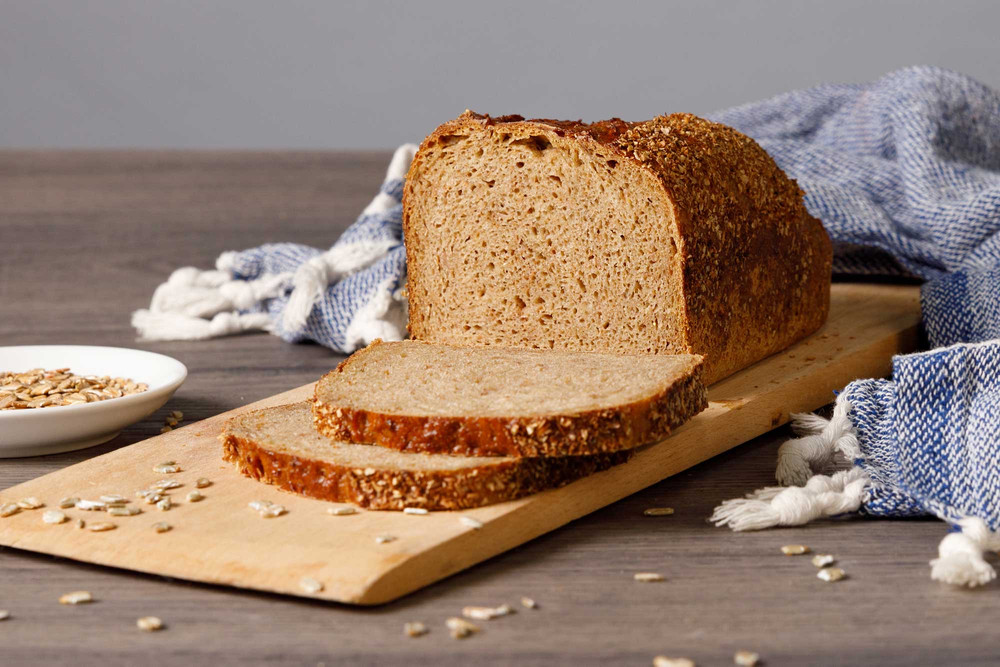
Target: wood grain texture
[110, 226]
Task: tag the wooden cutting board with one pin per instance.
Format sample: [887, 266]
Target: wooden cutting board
[221, 540]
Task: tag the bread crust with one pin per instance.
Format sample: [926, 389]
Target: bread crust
[392, 489]
[620, 428]
[756, 266]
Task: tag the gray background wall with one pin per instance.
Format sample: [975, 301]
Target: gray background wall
[253, 73]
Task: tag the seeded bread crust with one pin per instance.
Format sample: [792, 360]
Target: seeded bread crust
[623, 427]
[756, 266]
[394, 489]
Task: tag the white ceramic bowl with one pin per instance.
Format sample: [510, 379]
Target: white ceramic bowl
[38, 431]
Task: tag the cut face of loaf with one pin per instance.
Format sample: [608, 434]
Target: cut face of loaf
[488, 401]
[279, 446]
[675, 235]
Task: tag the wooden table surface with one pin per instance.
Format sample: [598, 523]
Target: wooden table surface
[86, 236]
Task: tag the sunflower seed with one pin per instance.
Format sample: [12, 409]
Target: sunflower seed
[53, 516]
[460, 628]
[310, 585]
[166, 468]
[162, 526]
[114, 499]
[831, 574]
[415, 629]
[658, 511]
[67, 503]
[341, 511]
[91, 506]
[194, 497]
[124, 511]
[664, 661]
[149, 624]
[76, 597]
[529, 603]
[273, 511]
[487, 613]
[167, 484]
[40, 388]
[164, 504]
[10, 509]
[746, 658]
[795, 549]
[203, 483]
[647, 577]
[31, 503]
[822, 560]
[383, 539]
[154, 498]
[102, 526]
[414, 510]
[468, 521]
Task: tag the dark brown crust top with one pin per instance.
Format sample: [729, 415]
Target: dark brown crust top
[583, 433]
[389, 489]
[756, 265]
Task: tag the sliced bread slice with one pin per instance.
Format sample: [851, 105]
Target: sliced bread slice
[279, 446]
[486, 401]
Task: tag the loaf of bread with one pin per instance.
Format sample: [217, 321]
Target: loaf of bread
[415, 396]
[674, 235]
[279, 446]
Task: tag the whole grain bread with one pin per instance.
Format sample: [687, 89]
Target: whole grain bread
[671, 235]
[279, 446]
[416, 396]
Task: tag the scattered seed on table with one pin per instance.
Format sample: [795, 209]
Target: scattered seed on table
[415, 629]
[167, 484]
[664, 661]
[273, 511]
[203, 483]
[68, 503]
[649, 577]
[414, 510]
[114, 499]
[487, 613]
[194, 497]
[30, 503]
[310, 585]
[76, 597]
[529, 603]
[177, 414]
[54, 516]
[460, 628]
[81, 524]
[170, 421]
[4, 614]
[166, 468]
[831, 574]
[149, 624]
[124, 511]
[658, 511]
[341, 511]
[164, 504]
[91, 506]
[822, 560]
[10, 509]
[746, 658]
[383, 539]
[468, 521]
[161, 526]
[102, 526]
[795, 549]
[154, 498]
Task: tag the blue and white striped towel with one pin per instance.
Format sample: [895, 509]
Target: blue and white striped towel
[904, 172]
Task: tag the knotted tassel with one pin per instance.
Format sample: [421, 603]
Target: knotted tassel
[800, 457]
[960, 555]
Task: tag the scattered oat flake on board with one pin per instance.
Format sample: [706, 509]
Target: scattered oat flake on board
[487, 613]
[415, 629]
[54, 516]
[161, 526]
[164, 504]
[124, 511]
[795, 549]
[76, 597]
[746, 658]
[414, 510]
[310, 585]
[273, 511]
[91, 506]
[664, 661]
[113, 498]
[822, 560]
[166, 468]
[460, 628]
[102, 526]
[10, 509]
[475, 524]
[195, 497]
[177, 414]
[167, 484]
[831, 574]
[383, 539]
[528, 603]
[149, 624]
[67, 503]
[648, 577]
[4, 614]
[31, 503]
[341, 511]
[81, 524]
[203, 483]
[658, 511]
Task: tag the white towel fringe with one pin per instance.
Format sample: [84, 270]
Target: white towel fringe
[960, 555]
[195, 305]
[820, 439]
[823, 495]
